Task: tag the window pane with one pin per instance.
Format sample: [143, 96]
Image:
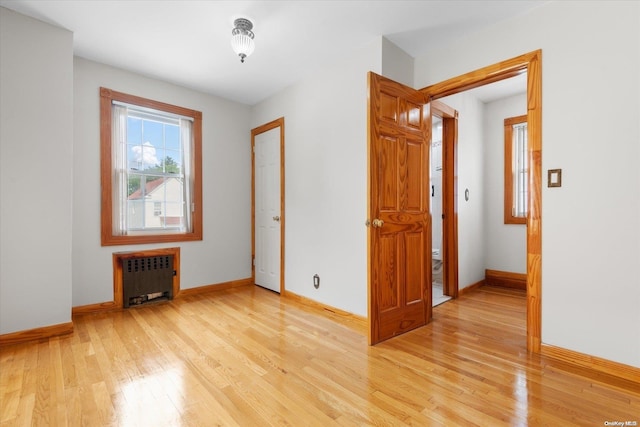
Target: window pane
[520, 170]
[134, 131]
[172, 137]
[173, 162]
[152, 132]
[133, 187]
[135, 214]
[160, 159]
[174, 214]
[156, 198]
[152, 199]
[142, 156]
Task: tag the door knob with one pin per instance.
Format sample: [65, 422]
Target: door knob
[276, 218]
[377, 223]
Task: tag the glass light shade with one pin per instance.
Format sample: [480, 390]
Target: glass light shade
[242, 45]
[242, 38]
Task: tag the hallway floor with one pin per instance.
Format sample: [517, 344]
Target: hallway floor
[437, 295]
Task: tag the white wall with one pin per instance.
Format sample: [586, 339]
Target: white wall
[396, 63]
[471, 154]
[505, 244]
[591, 105]
[224, 254]
[36, 136]
[326, 180]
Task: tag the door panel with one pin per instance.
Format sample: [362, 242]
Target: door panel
[414, 267]
[387, 292]
[399, 238]
[267, 206]
[415, 183]
[387, 153]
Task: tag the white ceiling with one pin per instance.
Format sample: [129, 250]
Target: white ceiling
[188, 42]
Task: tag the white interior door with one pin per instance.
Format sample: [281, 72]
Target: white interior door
[267, 209]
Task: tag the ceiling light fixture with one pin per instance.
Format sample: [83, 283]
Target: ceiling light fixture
[242, 38]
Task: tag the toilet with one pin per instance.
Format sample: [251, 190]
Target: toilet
[436, 266]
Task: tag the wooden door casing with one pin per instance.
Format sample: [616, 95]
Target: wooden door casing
[449, 250]
[400, 249]
[531, 63]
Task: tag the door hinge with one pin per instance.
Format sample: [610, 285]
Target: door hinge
[253, 261]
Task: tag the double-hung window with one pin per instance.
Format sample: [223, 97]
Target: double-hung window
[516, 170]
[150, 170]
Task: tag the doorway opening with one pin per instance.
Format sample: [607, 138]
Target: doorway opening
[444, 218]
[531, 64]
[437, 214]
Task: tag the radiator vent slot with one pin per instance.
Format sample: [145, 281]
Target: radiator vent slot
[147, 279]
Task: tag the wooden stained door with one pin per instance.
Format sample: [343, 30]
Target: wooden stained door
[400, 223]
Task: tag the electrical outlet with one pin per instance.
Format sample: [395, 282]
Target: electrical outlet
[316, 281]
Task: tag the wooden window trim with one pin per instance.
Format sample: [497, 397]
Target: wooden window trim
[509, 218]
[107, 96]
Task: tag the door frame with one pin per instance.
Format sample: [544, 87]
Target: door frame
[531, 63]
[277, 123]
[449, 196]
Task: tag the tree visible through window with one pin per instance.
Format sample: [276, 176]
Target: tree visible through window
[516, 170]
[151, 188]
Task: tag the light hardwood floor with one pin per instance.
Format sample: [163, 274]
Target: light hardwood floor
[246, 357]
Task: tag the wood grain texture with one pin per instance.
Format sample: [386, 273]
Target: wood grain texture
[358, 322]
[246, 357]
[95, 308]
[534, 218]
[506, 279]
[472, 287]
[398, 153]
[216, 287]
[593, 363]
[36, 333]
[112, 305]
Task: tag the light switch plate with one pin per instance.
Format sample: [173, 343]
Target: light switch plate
[554, 178]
